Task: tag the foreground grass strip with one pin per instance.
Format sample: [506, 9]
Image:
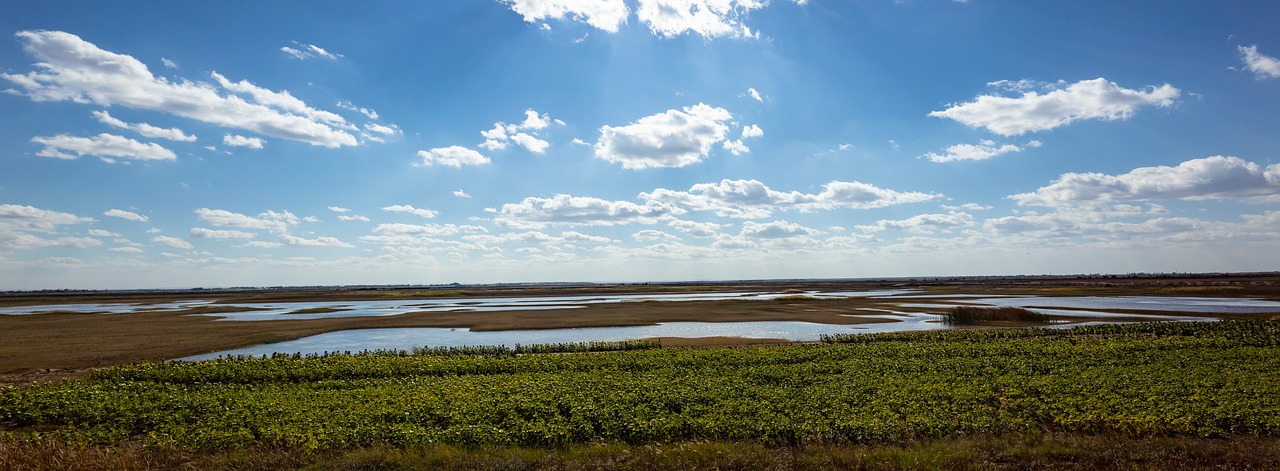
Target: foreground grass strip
[1031, 451]
[1193, 380]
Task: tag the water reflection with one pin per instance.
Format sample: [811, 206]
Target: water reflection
[408, 338]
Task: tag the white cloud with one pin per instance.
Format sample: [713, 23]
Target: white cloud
[673, 138]
[397, 234]
[125, 249]
[19, 240]
[651, 235]
[353, 217]
[736, 147]
[29, 218]
[707, 18]
[453, 156]
[606, 15]
[404, 208]
[380, 133]
[71, 69]
[202, 233]
[235, 140]
[775, 230]
[146, 130]
[983, 150]
[173, 242]
[339, 209]
[924, 223]
[276, 223]
[1262, 66]
[751, 131]
[261, 244]
[755, 95]
[1217, 177]
[103, 233]
[533, 144]
[346, 105]
[323, 242]
[1032, 111]
[126, 215]
[523, 134]
[696, 229]
[104, 146]
[460, 194]
[752, 199]
[168, 64]
[534, 213]
[308, 51]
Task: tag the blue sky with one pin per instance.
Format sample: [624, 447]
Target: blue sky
[158, 145]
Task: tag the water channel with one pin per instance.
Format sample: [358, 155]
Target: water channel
[903, 319]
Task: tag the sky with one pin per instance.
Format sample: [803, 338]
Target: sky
[246, 143]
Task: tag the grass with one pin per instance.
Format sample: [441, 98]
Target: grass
[1033, 451]
[976, 315]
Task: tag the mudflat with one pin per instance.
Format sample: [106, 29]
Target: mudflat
[49, 346]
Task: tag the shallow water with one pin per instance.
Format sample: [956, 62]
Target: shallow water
[403, 339]
[408, 338]
[278, 311]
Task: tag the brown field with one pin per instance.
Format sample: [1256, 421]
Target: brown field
[44, 347]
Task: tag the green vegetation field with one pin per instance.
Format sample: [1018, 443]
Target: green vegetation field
[1194, 380]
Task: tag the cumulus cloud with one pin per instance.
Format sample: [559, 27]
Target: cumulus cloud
[1262, 66]
[202, 233]
[674, 138]
[126, 215]
[523, 134]
[271, 221]
[322, 242]
[752, 199]
[173, 242]
[1031, 112]
[339, 209]
[242, 141]
[706, 18]
[775, 230]
[736, 147]
[352, 217]
[696, 229]
[666, 18]
[651, 235]
[755, 95]
[924, 223]
[146, 130]
[983, 150]
[606, 15]
[535, 213]
[72, 69]
[15, 217]
[1216, 177]
[404, 208]
[104, 146]
[751, 131]
[452, 156]
[460, 194]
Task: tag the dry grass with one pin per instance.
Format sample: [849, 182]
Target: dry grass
[976, 315]
[995, 453]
